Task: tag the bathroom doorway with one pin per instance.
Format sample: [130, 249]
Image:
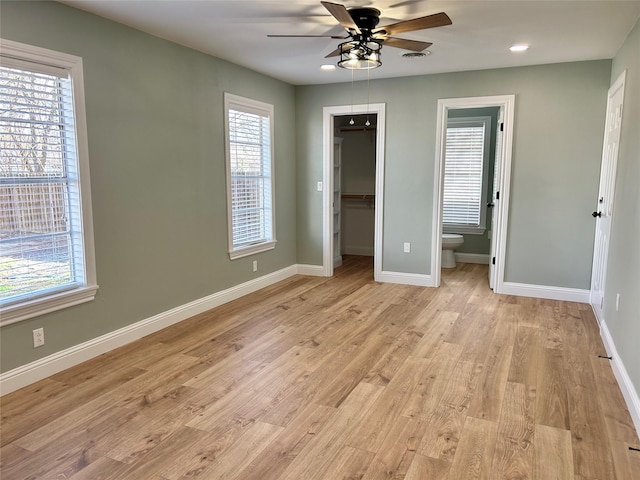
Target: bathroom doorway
[470, 153]
[471, 191]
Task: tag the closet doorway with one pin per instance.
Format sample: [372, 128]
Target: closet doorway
[354, 186]
[353, 177]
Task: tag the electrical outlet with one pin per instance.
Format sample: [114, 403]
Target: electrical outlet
[38, 337]
[255, 265]
[407, 247]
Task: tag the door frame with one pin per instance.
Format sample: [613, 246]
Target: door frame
[328, 132]
[595, 300]
[507, 104]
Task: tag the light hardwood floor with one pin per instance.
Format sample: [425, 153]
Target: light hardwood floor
[339, 378]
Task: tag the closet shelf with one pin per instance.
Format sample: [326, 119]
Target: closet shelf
[371, 128]
[359, 196]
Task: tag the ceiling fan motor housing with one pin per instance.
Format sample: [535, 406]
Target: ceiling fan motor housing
[365, 18]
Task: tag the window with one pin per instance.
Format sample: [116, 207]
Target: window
[249, 137]
[46, 249]
[465, 171]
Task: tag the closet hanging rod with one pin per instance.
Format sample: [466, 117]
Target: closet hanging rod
[355, 196]
[356, 129]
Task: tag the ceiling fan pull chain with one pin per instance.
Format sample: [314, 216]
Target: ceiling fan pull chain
[352, 121]
[368, 123]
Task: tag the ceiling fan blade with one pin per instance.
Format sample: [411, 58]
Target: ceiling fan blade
[430, 21]
[338, 37]
[341, 14]
[405, 44]
[335, 53]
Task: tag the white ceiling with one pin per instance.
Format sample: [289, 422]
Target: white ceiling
[482, 31]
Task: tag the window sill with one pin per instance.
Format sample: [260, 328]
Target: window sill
[463, 230]
[34, 308]
[252, 249]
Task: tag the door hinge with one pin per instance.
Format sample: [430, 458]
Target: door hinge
[502, 127]
[497, 195]
[493, 260]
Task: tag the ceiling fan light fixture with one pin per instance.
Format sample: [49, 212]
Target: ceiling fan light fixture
[362, 56]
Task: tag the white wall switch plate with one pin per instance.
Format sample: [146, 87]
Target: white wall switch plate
[407, 247]
[319, 186]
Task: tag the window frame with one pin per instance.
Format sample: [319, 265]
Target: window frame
[481, 228]
[236, 102]
[40, 304]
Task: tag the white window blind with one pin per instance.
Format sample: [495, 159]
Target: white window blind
[41, 220]
[463, 176]
[250, 179]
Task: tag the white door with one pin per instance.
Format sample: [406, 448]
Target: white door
[495, 200]
[604, 209]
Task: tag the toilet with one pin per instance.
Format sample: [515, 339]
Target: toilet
[450, 242]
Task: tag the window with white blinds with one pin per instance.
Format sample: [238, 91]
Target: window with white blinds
[42, 241]
[249, 132]
[466, 159]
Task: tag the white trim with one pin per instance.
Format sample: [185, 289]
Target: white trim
[44, 367]
[328, 132]
[87, 291]
[544, 291]
[311, 270]
[48, 304]
[507, 103]
[406, 278]
[627, 388]
[464, 229]
[361, 251]
[264, 110]
[481, 258]
[252, 249]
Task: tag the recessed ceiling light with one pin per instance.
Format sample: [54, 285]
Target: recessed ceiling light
[327, 67]
[519, 48]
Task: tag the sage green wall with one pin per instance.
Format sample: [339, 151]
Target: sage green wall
[559, 121]
[623, 272]
[481, 243]
[156, 146]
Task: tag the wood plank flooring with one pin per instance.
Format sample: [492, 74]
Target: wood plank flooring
[340, 378]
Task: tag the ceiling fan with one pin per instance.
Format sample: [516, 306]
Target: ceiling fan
[365, 38]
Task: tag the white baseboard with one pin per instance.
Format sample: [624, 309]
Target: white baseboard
[52, 364]
[311, 270]
[361, 251]
[624, 381]
[543, 291]
[406, 278]
[482, 258]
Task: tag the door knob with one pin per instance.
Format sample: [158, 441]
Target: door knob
[596, 214]
[490, 205]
